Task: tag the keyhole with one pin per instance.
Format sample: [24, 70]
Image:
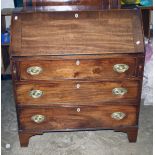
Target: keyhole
[16, 17]
[77, 62]
[78, 110]
[76, 15]
[78, 86]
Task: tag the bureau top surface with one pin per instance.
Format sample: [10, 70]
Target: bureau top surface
[76, 32]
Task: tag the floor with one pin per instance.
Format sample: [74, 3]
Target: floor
[73, 143]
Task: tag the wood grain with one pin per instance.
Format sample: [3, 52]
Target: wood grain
[104, 4]
[61, 2]
[67, 92]
[87, 69]
[69, 118]
[76, 97]
[93, 32]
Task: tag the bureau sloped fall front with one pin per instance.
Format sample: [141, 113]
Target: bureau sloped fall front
[77, 70]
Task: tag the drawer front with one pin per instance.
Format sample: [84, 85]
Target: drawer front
[114, 68]
[82, 117]
[70, 92]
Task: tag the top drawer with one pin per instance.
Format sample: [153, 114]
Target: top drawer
[105, 68]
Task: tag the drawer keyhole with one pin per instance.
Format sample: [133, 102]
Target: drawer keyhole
[76, 15]
[78, 86]
[16, 17]
[77, 62]
[78, 109]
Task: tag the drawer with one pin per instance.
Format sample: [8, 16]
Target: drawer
[82, 117]
[114, 68]
[70, 92]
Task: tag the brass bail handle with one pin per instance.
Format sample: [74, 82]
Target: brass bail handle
[36, 93]
[34, 70]
[118, 115]
[38, 118]
[119, 91]
[120, 68]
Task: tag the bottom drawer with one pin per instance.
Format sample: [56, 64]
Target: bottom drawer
[82, 117]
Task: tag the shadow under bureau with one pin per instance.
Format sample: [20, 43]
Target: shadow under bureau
[77, 70]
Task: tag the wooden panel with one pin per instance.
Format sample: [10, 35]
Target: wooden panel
[64, 2]
[58, 118]
[16, 39]
[91, 33]
[115, 4]
[57, 8]
[87, 69]
[138, 39]
[67, 92]
[103, 3]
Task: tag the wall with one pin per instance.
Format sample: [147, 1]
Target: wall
[151, 20]
[7, 4]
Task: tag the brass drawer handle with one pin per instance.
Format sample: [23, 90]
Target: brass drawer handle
[38, 118]
[119, 91]
[34, 70]
[118, 115]
[120, 68]
[36, 93]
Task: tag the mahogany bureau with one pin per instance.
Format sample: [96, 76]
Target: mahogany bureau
[77, 70]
